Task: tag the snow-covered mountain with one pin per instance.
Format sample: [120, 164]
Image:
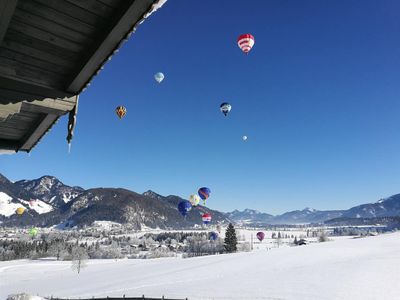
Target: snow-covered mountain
[383, 208]
[50, 190]
[250, 217]
[307, 215]
[49, 202]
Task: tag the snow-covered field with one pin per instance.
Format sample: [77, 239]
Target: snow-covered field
[365, 268]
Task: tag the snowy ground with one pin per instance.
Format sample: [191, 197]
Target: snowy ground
[365, 268]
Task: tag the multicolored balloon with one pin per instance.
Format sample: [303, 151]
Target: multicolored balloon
[184, 207]
[194, 200]
[204, 193]
[213, 236]
[246, 42]
[20, 210]
[159, 77]
[225, 108]
[260, 235]
[206, 218]
[120, 111]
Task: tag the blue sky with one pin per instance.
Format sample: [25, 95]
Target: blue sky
[318, 98]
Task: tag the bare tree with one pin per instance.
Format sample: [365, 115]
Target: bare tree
[57, 248]
[323, 237]
[278, 241]
[79, 258]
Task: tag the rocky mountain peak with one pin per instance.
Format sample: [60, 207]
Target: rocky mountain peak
[152, 194]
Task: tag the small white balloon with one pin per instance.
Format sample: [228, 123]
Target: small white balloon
[244, 138]
[159, 77]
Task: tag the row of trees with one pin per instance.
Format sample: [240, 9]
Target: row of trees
[67, 246]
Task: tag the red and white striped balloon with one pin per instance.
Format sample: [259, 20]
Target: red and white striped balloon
[206, 218]
[246, 42]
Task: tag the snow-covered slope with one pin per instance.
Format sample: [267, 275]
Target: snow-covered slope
[353, 269]
[383, 208]
[7, 206]
[37, 205]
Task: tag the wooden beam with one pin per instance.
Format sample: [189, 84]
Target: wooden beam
[7, 8]
[108, 42]
[34, 136]
[28, 91]
[7, 146]
[50, 106]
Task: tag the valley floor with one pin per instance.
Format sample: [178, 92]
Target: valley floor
[366, 268]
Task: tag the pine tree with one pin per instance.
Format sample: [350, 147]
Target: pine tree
[230, 239]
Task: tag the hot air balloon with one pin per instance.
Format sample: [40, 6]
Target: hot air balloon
[120, 111]
[206, 218]
[194, 200]
[219, 228]
[20, 210]
[184, 207]
[260, 235]
[244, 138]
[246, 42]
[213, 236]
[225, 108]
[159, 77]
[204, 193]
[33, 232]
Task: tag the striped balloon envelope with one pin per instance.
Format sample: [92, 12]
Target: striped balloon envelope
[246, 42]
[120, 111]
[206, 218]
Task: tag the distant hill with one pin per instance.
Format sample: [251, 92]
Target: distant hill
[383, 208]
[250, 217]
[391, 222]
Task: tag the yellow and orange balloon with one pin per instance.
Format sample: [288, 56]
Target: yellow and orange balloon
[20, 210]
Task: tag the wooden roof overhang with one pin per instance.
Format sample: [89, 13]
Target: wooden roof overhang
[49, 52]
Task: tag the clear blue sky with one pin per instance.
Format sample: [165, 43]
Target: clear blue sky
[318, 98]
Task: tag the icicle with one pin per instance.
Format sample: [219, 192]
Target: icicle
[71, 124]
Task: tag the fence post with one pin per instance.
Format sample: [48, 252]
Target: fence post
[124, 296]
[143, 297]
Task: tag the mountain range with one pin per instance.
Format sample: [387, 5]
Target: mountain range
[49, 202]
[387, 207]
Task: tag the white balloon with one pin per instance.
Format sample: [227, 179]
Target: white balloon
[244, 138]
[159, 77]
